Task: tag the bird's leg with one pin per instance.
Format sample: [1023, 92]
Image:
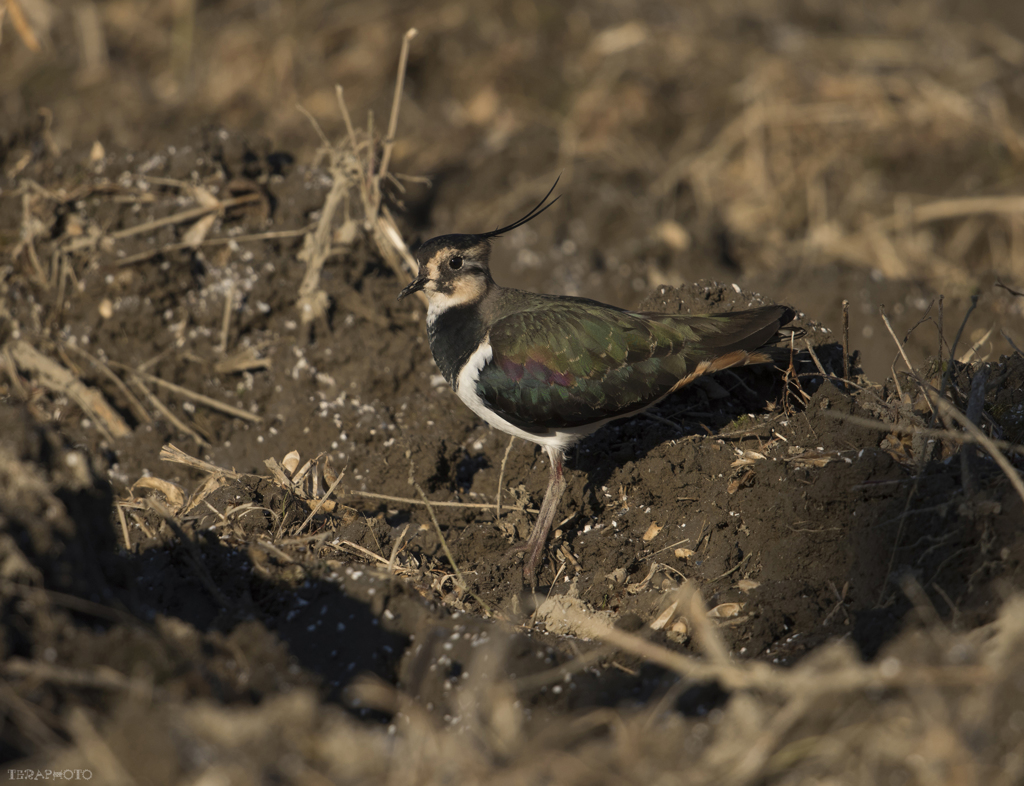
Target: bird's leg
[539, 535]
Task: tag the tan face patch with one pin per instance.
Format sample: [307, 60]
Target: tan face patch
[470, 287]
[432, 271]
[451, 293]
[459, 274]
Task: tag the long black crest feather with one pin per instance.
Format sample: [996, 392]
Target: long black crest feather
[539, 208]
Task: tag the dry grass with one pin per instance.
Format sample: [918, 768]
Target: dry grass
[789, 149]
[935, 707]
[938, 708]
[891, 143]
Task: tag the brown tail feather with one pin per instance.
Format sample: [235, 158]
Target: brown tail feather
[739, 357]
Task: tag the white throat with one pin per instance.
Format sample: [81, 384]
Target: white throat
[438, 303]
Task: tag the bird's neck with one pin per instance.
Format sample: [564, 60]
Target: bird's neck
[455, 333]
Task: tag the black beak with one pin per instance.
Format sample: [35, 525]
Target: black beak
[416, 285]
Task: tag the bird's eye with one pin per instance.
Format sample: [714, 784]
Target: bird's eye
[455, 262]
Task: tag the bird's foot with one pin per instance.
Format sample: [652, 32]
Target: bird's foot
[535, 552]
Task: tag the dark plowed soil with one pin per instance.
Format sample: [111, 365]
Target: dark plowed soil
[777, 575]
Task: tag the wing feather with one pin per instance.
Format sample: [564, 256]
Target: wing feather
[573, 362]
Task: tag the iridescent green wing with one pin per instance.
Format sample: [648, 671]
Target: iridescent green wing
[572, 362]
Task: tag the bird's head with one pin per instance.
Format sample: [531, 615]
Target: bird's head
[455, 269]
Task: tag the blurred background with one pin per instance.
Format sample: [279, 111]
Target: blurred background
[813, 151]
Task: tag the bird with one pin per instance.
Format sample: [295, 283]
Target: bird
[553, 369]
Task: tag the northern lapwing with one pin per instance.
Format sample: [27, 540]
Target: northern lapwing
[553, 369]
